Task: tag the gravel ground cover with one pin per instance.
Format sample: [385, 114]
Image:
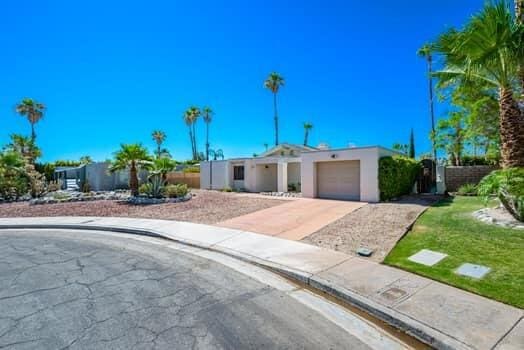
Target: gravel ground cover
[206, 207]
[377, 226]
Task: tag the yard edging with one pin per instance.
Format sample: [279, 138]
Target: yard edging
[416, 328]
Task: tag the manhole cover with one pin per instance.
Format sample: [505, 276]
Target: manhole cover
[393, 293]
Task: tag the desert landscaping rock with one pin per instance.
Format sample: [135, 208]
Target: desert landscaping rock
[498, 216]
[427, 257]
[207, 207]
[377, 226]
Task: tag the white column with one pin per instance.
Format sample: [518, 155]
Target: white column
[282, 177]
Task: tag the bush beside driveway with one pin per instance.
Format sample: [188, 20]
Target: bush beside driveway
[206, 207]
[449, 227]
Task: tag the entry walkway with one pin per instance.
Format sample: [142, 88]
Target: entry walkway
[293, 220]
[441, 315]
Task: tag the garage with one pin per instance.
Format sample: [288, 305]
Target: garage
[339, 180]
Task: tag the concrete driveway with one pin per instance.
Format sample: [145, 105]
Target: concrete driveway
[87, 290]
[295, 219]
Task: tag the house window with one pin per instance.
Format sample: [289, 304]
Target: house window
[238, 172]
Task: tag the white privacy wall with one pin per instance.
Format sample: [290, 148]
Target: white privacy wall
[220, 173]
[368, 157]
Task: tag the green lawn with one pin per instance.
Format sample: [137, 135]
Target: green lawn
[448, 227]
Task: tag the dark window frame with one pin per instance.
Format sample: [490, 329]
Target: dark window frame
[238, 172]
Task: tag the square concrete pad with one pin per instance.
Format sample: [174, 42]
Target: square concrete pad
[472, 270]
[427, 257]
[461, 315]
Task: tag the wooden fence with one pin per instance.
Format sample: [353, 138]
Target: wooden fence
[179, 177]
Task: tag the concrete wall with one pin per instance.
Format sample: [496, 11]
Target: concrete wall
[100, 179]
[456, 176]
[220, 174]
[368, 156]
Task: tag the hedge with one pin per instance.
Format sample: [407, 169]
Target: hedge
[396, 176]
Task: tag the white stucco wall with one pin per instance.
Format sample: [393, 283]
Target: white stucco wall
[220, 174]
[368, 157]
[266, 177]
[293, 173]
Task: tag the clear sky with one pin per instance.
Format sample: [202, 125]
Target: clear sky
[110, 72]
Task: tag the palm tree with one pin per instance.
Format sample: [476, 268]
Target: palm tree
[86, 160]
[273, 83]
[190, 117]
[489, 49]
[162, 166]
[426, 52]
[33, 111]
[307, 128]
[24, 146]
[266, 146]
[133, 157]
[159, 137]
[207, 114]
[215, 154]
[519, 19]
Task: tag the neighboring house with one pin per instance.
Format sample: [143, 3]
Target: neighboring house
[348, 174]
[97, 176]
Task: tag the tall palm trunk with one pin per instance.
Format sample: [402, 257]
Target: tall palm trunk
[192, 141]
[133, 179]
[276, 117]
[306, 135]
[431, 108]
[33, 133]
[511, 130]
[207, 141]
[158, 150]
[519, 17]
[195, 156]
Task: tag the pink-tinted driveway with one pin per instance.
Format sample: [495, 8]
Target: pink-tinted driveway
[295, 219]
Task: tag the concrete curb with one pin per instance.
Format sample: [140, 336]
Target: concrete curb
[406, 324]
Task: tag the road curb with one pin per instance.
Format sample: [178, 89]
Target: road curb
[418, 330]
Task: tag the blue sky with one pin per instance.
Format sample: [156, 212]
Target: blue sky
[110, 72]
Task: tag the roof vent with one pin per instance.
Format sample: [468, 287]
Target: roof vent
[323, 146]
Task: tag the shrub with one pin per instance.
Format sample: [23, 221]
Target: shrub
[143, 189]
[176, 191]
[192, 169]
[467, 190]
[508, 186]
[86, 187]
[396, 176]
[12, 187]
[472, 160]
[53, 186]
[227, 189]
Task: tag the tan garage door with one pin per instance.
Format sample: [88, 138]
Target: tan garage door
[339, 180]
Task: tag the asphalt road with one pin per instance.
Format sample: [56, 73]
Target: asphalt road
[89, 290]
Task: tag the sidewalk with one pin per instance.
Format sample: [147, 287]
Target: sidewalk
[440, 315]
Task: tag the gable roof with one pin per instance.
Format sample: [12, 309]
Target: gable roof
[287, 146]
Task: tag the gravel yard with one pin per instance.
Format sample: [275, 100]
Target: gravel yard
[377, 226]
[206, 207]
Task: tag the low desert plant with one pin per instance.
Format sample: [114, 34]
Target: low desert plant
[508, 186]
[176, 191]
[155, 186]
[467, 190]
[86, 187]
[53, 186]
[227, 189]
